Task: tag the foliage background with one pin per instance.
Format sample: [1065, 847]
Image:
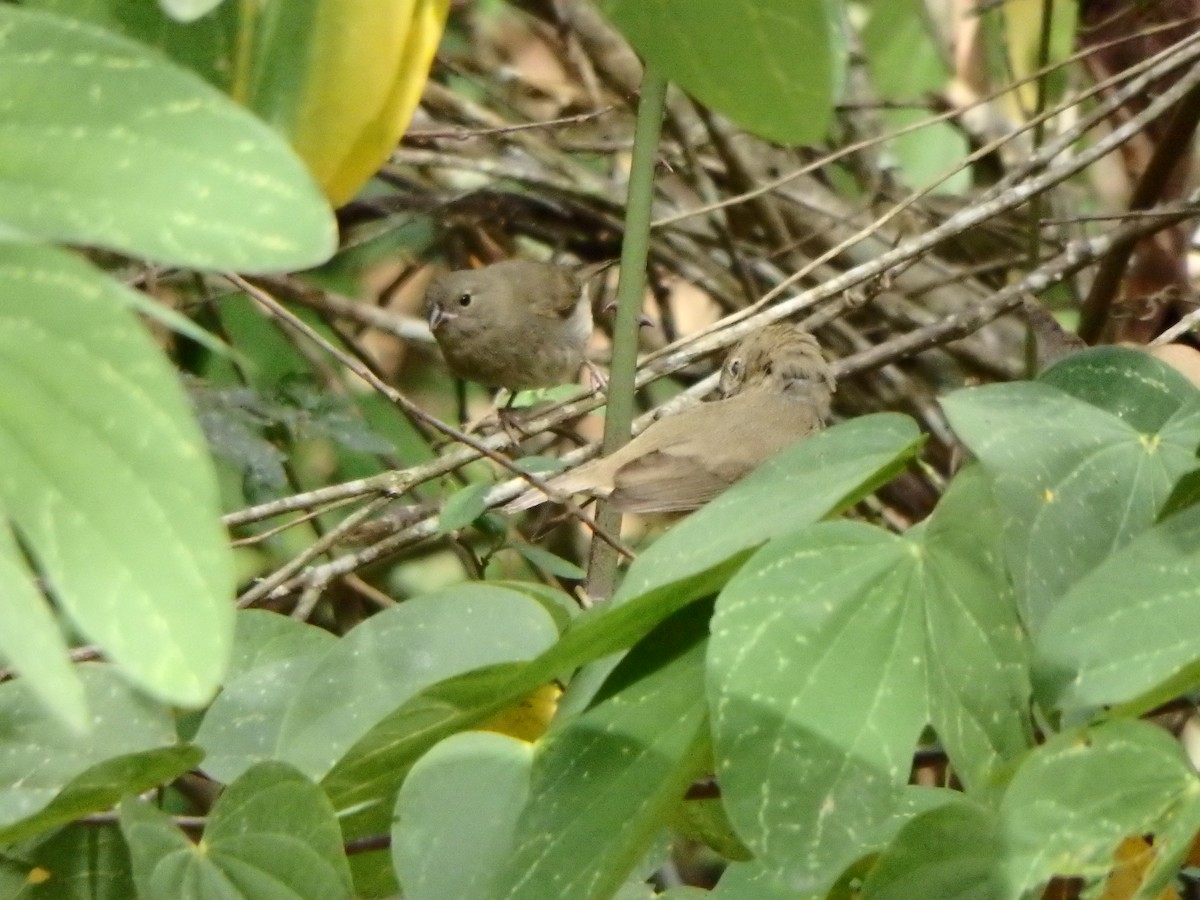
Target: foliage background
[783, 686]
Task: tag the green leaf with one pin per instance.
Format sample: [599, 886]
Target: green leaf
[30, 641]
[557, 394]
[262, 638]
[273, 655]
[772, 66]
[463, 507]
[705, 821]
[977, 654]
[818, 477]
[816, 679]
[271, 834]
[907, 63]
[832, 648]
[1127, 628]
[549, 562]
[78, 862]
[539, 465]
[468, 791]
[952, 853]
[372, 770]
[205, 47]
[1076, 483]
[48, 776]
[756, 881]
[373, 685]
[604, 784]
[108, 144]
[1068, 806]
[392, 656]
[1130, 384]
[1077, 796]
[905, 60]
[1185, 494]
[561, 606]
[106, 476]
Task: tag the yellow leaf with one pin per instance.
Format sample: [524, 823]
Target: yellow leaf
[360, 78]
[1133, 857]
[1023, 35]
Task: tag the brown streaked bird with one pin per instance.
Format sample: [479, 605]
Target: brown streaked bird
[517, 324]
[775, 388]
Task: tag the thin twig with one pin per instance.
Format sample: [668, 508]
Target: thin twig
[1175, 142]
[682, 353]
[363, 371]
[462, 134]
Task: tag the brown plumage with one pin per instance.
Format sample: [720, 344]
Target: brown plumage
[517, 324]
[775, 387]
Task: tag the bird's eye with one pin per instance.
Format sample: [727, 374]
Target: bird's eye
[735, 368]
[464, 300]
[770, 369]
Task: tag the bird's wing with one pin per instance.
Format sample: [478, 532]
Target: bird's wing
[667, 481]
[589, 478]
[566, 295]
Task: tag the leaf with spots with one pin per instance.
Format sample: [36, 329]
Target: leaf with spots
[273, 655]
[1130, 384]
[204, 46]
[604, 784]
[78, 862]
[977, 654]
[106, 477]
[393, 656]
[772, 66]
[466, 792]
[1075, 482]
[817, 477]
[106, 143]
[31, 641]
[757, 881]
[816, 680]
[49, 776]
[831, 650]
[272, 833]
[1061, 814]
[1066, 810]
[1126, 632]
[952, 852]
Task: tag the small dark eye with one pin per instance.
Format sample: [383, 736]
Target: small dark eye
[464, 300]
[769, 370]
[735, 368]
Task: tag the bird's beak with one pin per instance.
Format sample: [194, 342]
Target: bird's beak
[438, 316]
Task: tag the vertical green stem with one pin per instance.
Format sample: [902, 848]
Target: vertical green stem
[602, 564]
[243, 50]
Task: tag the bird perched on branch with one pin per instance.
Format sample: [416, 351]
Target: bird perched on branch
[517, 324]
[775, 386]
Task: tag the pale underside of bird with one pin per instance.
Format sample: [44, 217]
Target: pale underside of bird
[776, 388]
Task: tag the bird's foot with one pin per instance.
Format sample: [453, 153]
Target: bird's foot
[599, 381]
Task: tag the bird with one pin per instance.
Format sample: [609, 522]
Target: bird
[775, 388]
[518, 324]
